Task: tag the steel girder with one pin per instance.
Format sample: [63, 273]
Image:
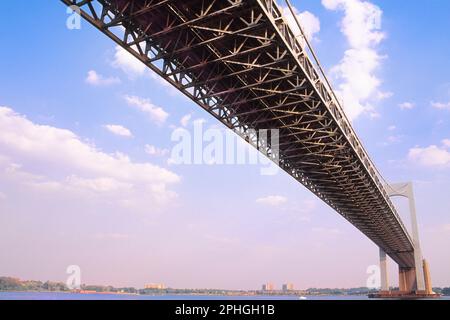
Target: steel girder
[240, 61]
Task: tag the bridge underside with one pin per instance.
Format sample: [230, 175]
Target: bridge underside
[240, 61]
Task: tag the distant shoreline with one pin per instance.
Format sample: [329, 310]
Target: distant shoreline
[280, 294]
[10, 284]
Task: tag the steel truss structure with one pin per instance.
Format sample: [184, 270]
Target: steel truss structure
[241, 62]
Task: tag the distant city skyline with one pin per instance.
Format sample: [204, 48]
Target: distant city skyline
[87, 179]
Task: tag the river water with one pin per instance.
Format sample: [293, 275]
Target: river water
[100, 296]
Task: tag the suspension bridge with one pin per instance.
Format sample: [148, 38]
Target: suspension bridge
[242, 62]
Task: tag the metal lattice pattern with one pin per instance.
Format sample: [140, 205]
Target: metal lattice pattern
[240, 61]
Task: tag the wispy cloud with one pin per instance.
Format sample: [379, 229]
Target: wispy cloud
[118, 130]
[432, 156]
[154, 151]
[102, 184]
[406, 105]
[392, 128]
[382, 95]
[95, 79]
[440, 105]
[274, 200]
[156, 113]
[185, 120]
[446, 143]
[393, 139]
[300, 211]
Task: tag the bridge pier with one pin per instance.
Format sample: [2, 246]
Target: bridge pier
[383, 271]
[407, 285]
[426, 271]
[407, 280]
[416, 281]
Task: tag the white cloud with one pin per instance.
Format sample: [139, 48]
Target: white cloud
[118, 130]
[98, 184]
[381, 95]
[272, 200]
[446, 143]
[359, 85]
[157, 114]
[440, 105]
[374, 114]
[95, 79]
[394, 139]
[299, 211]
[128, 63]
[392, 128]
[406, 105]
[154, 151]
[432, 156]
[57, 160]
[309, 22]
[185, 120]
[362, 14]
[134, 68]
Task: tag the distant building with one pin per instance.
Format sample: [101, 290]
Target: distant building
[288, 287]
[157, 286]
[268, 287]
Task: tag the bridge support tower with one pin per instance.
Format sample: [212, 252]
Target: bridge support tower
[413, 282]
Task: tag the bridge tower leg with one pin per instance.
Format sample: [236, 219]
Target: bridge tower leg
[383, 271]
[418, 260]
[426, 271]
[410, 279]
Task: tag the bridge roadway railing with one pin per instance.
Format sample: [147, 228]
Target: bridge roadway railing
[321, 84]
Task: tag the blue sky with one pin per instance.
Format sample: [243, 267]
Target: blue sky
[222, 226]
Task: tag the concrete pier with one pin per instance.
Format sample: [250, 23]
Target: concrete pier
[414, 282]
